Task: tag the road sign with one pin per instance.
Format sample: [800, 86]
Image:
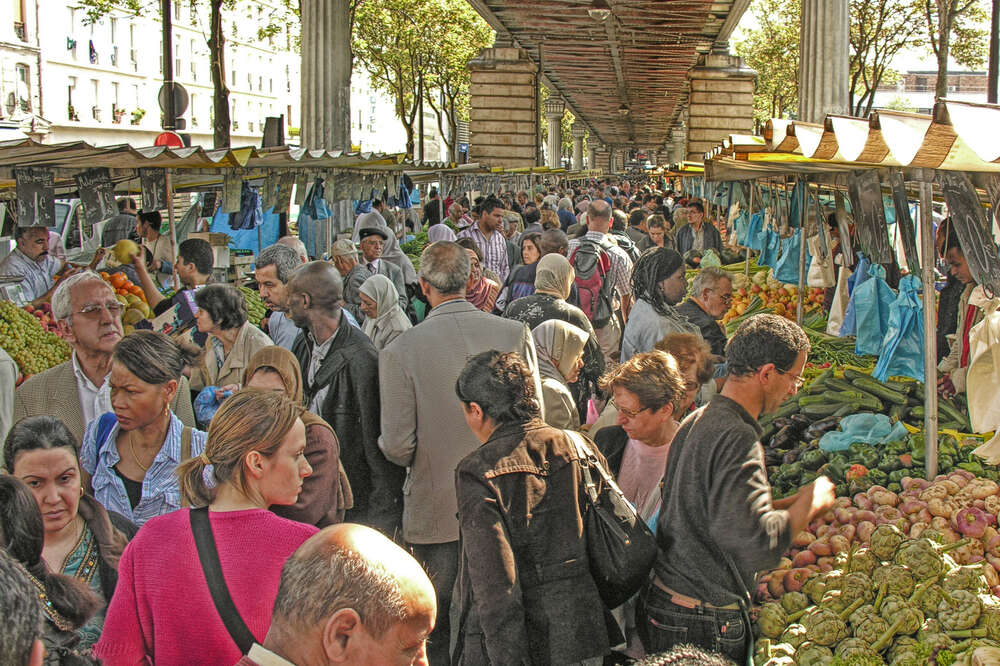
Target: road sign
[180, 95]
[169, 139]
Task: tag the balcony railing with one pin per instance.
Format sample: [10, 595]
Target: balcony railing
[20, 31]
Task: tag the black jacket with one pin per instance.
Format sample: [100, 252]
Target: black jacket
[351, 408]
[711, 330]
[611, 442]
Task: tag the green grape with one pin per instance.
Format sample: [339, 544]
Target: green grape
[32, 347]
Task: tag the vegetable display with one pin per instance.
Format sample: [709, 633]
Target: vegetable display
[255, 306]
[23, 336]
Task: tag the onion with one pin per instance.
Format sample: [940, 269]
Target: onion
[864, 530]
[862, 501]
[803, 539]
[804, 558]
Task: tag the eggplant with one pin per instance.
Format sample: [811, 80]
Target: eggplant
[821, 427]
[782, 422]
[785, 438]
[801, 420]
[790, 457]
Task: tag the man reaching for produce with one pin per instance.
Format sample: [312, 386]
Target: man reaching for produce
[31, 260]
[718, 526]
[954, 366]
[194, 268]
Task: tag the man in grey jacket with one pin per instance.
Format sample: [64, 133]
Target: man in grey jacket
[423, 427]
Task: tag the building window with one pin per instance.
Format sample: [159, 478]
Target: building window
[194, 62]
[95, 110]
[19, 28]
[177, 11]
[71, 112]
[23, 87]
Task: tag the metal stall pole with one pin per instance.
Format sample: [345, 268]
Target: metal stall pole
[168, 180]
[800, 306]
[930, 327]
[746, 267]
[440, 196]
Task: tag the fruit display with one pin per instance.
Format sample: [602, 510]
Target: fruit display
[774, 296]
[44, 314]
[124, 251]
[131, 296]
[908, 577]
[23, 336]
[255, 306]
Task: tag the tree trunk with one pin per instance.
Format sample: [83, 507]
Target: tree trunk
[220, 97]
[945, 19]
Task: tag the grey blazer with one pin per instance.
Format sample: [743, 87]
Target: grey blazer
[54, 392]
[423, 427]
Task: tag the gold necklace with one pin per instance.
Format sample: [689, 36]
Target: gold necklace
[135, 457]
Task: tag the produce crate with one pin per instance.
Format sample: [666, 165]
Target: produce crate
[220, 247]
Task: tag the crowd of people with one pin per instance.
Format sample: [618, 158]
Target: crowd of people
[386, 471]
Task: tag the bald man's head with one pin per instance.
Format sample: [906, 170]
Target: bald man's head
[295, 244]
[599, 216]
[356, 595]
[315, 290]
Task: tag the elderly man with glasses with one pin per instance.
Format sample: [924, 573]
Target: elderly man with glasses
[77, 391]
[711, 296]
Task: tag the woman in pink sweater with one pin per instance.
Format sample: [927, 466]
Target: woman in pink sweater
[162, 611]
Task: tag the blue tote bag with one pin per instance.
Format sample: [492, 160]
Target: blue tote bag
[903, 345]
[872, 300]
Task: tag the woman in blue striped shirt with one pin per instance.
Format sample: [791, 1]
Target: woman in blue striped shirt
[132, 453]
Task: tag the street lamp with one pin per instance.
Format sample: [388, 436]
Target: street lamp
[599, 10]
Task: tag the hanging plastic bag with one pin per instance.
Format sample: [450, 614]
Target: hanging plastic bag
[787, 267]
[315, 205]
[710, 258]
[771, 248]
[860, 274]
[903, 344]
[841, 298]
[251, 214]
[822, 272]
[983, 375]
[754, 239]
[871, 302]
[207, 403]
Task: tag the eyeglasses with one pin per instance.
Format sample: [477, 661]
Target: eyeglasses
[629, 413]
[725, 297]
[799, 379]
[115, 309]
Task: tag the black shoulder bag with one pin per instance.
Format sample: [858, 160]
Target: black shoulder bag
[211, 567]
[620, 547]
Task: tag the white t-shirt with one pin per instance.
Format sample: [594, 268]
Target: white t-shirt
[640, 475]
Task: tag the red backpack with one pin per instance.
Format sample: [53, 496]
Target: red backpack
[592, 263]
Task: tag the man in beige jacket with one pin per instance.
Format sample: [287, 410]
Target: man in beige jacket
[423, 427]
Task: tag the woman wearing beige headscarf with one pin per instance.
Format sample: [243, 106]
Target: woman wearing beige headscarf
[553, 282]
[384, 319]
[560, 358]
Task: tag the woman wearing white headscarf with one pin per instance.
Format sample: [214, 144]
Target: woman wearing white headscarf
[384, 319]
[559, 346]
[440, 232]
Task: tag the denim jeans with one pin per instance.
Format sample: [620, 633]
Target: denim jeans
[663, 625]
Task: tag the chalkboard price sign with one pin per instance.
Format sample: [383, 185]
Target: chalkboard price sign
[906, 230]
[969, 221]
[36, 205]
[154, 189]
[865, 191]
[97, 194]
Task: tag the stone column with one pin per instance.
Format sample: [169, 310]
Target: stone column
[578, 131]
[555, 108]
[503, 122]
[823, 59]
[721, 102]
[326, 95]
[654, 157]
[591, 153]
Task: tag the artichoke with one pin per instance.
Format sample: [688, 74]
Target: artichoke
[962, 616]
[853, 647]
[898, 579]
[772, 620]
[905, 618]
[833, 601]
[814, 588]
[824, 627]
[794, 635]
[793, 602]
[858, 616]
[932, 597]
[920, 557]
[989, 620]
[884, 541]
[906, 652]
[871, 628]
[812, 654]
[864, 561]
[857, 585]
[964, 578]
[933, 636]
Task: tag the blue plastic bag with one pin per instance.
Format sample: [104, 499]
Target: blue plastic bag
[872, 299]
[867, 428]
[740, 227]
[859, 275]
[903, 345]
[753, 238]
[787, 267]
[206, 404]
[770, 248]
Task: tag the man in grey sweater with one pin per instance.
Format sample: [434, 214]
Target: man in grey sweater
[718, 526]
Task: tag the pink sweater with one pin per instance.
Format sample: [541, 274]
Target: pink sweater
[162, 610]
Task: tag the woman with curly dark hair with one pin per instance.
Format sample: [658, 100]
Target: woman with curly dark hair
[658, 284]
[524, 592]
[232, 339]
[67, 603]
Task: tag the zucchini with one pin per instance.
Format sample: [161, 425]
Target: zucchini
[839, 385]
[851, 375]
[847, 410]
[818, 386]
[918, 391]
[825, 409]
[787, 409]
[845, 396]
[808, 400]
[879, 390]
[948, 410]
[906, 388]
[898, 412]
[917, 413]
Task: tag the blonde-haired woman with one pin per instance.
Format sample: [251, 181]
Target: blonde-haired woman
[163, 611]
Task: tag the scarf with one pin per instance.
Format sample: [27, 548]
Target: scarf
[652, 268]
[380, 289]
[483, 294]
[440, 232]
[554, 275]
[558, 345]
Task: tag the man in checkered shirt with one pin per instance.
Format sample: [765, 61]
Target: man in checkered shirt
[486, 234]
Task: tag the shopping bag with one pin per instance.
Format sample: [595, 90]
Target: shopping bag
[822, 272]
[860, 274]
[754, 239]
[871, 300]
[841, 298]
[787, 267]
[903, 344]
[983, 375]
[770, 249]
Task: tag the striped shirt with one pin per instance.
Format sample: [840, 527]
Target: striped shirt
[621, 263]
[37, 275]
[161, 491]
[494, 250]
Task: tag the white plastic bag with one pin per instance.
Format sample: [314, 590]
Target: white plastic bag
[822, 272]
[841, 298]
[983, 374]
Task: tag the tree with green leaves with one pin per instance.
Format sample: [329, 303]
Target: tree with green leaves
[216, 39]
[772, 50]
[880, 29]
[953, 32]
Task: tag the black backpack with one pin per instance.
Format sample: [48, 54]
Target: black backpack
[592, 263]
[626, 243]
